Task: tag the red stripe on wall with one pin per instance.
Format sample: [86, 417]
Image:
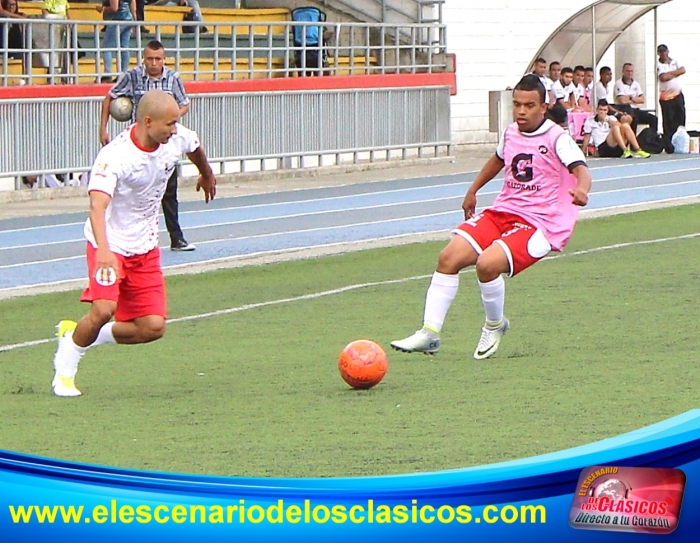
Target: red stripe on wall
[249, 85]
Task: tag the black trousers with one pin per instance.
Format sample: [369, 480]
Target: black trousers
[673, 115]
[639, 117]
[140, 9]
[309, 62]
[170, 207]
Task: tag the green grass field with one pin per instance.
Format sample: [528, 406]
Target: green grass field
[602, 342]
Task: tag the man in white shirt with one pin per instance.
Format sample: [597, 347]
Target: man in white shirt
[588, 87]
[604, 91]
[540, 69]
[629, 98]
[564, 88]
[127, 182]
[579, 90]
[608, 137]
[671, 97]
[604, 87]
[554, 73]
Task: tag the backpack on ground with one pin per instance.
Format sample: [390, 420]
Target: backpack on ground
[653, 142]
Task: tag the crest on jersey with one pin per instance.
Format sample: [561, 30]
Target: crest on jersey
[542, 150]
[100, 169]
[521, 167]
[106, 277]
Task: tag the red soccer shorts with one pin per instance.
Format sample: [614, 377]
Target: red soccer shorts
[139, 289]
[523, 243]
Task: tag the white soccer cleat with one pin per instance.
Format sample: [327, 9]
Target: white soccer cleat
[64, 387]
[490, 340]
[423, 341]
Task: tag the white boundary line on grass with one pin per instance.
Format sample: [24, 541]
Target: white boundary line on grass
[246, 307]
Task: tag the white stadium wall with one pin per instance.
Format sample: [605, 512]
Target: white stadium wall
[494, 42]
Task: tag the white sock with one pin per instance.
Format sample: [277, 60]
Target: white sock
[67, 357]
[104, 336]
[493, 296]
[441, 293]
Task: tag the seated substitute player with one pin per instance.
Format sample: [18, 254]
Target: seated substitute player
[546, 180]
[126, 185]
[609, 137]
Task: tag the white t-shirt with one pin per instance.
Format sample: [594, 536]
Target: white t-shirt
[598, 130]
[674, 85]
[547, 87]
[632, 90]
[561, 92]
[579, 92]
[603, 92]
[135, 179]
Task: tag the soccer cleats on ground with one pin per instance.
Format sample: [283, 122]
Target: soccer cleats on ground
[423, 341]
[490, 340]
[64, 387]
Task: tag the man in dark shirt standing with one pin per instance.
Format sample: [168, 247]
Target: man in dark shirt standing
[134, 83]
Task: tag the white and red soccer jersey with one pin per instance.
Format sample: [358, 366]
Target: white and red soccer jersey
[537, 179]
[135, 178]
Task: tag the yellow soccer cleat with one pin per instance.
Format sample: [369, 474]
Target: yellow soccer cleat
[64, 328]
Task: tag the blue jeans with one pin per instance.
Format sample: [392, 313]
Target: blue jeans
[110, 43]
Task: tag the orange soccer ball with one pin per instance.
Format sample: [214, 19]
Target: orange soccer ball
[362, 364]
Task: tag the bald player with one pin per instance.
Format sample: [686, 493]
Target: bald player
[126, 185]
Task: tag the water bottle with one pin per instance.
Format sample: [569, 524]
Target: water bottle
[681, 141]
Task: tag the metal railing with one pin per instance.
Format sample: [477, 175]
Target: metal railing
[243, 131]
[241, 50]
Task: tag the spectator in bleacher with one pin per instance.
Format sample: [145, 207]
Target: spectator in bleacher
[117, 10]
[194, 4]
[135, 83]
[15, 33]
[629, 97]
[309, 42]
[58, 10]
[606, 137]
[140, 14]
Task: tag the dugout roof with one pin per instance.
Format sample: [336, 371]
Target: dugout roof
[585, 37]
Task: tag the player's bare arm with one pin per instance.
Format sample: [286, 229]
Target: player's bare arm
[183, 110]
[672, 74]
[583, 185]
[207, 180]
[99, 201]
[490, 170]
[584, 145]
